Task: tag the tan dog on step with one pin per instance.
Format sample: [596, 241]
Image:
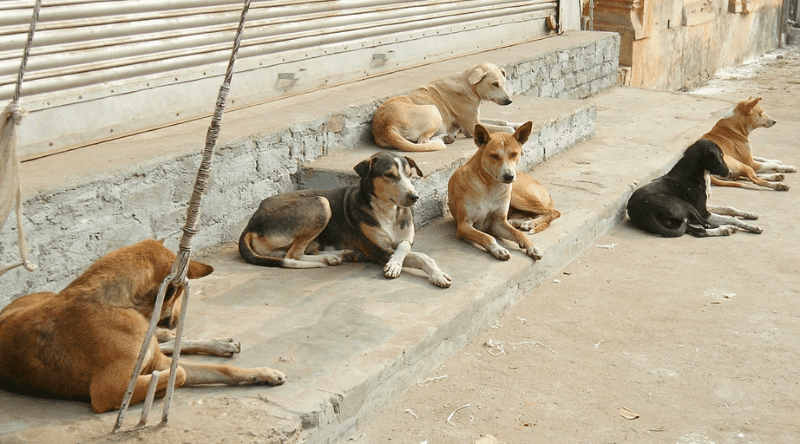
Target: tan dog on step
[84, 341]
[479, 194]
[732, 135]
[431, 116]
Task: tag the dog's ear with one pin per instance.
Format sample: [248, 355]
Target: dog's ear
[413, 164]
[523, 132]
[751, 103]
[481, 137]
[502, 71]
[363, 167]
[476, 76]
[198, 270]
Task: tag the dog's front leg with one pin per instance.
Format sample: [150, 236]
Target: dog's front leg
[495, 125]
[731, 211]
[394, 266]
[199, 374]
[423, 262]
[719, 219]
[503, 229]
[468, 232]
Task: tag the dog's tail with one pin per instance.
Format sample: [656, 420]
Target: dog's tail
[250, 256]
[393, 139]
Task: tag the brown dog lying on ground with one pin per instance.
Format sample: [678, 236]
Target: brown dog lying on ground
[479, 194]
[732, 135]
[431, 116]
[84, 341]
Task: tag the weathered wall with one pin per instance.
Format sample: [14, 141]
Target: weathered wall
[677, 44]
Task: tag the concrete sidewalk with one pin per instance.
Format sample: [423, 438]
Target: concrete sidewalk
[351, 341]
[697, 337]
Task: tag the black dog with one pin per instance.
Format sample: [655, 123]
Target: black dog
[675, 203]
[372, 220]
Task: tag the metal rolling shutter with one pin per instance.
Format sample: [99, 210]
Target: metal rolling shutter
[100, 69]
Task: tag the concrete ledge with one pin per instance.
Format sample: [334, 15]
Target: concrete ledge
[559, 124]
[84, 203]
[351, 340]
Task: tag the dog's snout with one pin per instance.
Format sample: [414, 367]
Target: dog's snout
[506, 101]
[413, 198]
[508, 177]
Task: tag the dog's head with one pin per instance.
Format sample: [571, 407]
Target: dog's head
[131, 276]
[706, 155]
[387, 178]
[751, 115]
[500, 152]
[489, 82]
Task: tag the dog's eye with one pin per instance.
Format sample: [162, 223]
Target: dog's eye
[496, 84]
[391, 176]
[494, 156]
[513, 155]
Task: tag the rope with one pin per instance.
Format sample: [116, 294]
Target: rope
[177, 275]
[9, 160]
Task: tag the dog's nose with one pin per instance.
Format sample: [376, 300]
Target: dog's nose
[506, 101]
[413, 198]
[508, 178]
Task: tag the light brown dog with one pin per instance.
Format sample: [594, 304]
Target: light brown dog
[732, 135]
[84, 341]
[479, 194]
[431, 116]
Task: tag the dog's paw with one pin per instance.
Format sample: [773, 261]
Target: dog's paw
[749, 216]
[533, 253]
[332, 259]
[448, 139]
[788, 169]
[266, 375]
[441, 279]
[392, 269]
[225, 347]
[752, 229]
[500, 253]
[781, 187]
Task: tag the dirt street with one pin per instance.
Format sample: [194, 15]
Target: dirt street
[644, 339]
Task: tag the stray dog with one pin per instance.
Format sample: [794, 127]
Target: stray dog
[431, 116]
[732, 135]
[675, 203]
[84, 341]
[479, 193]
[372, 220]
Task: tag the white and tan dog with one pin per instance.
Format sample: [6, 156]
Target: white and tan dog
[431, 116]
[479, 193]
[732, 135]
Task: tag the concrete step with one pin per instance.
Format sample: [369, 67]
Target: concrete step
[84, 203]
[559, 124]
[350, 340]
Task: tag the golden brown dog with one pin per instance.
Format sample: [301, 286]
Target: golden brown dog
[84, 341]
[479, 194]
[732, 135]
[431, 116]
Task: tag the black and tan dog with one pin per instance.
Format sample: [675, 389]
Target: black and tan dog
[84, 341]
[676, 203]
[370, 221]
[480, 194]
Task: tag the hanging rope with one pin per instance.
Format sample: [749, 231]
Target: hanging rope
[10, 186]
[177, 277]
